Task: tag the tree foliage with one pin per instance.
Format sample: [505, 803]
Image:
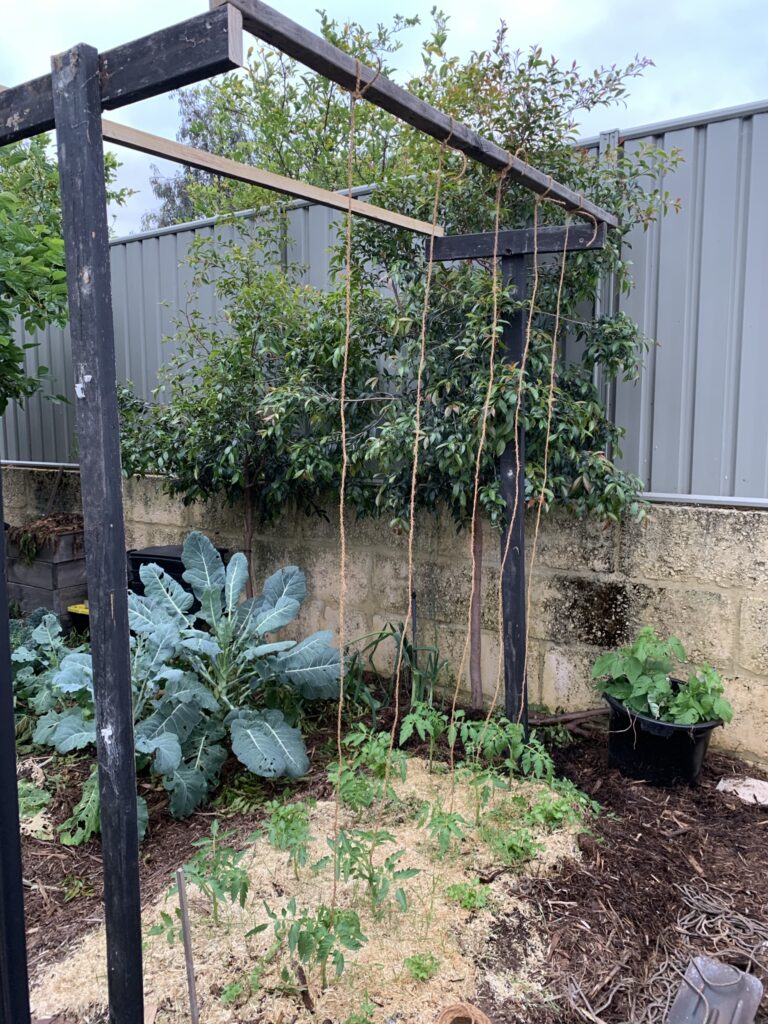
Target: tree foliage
[33, 283]
[253, 396]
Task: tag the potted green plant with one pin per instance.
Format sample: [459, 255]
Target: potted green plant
[660, 723]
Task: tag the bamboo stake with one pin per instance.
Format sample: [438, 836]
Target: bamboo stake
[187, 937]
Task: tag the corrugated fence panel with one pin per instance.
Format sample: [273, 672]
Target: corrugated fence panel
[751, 475]
[696, 421]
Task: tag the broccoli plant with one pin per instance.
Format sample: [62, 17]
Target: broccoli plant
[197, 692]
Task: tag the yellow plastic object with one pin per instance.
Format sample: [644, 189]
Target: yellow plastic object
[78, 609]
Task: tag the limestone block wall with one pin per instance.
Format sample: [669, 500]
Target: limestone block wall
[698, 572]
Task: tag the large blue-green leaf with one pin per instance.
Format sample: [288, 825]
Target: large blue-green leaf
[166, 749]
[186, 688]
[261, 650]
[274, 616]
[73, 732]
[200, 643]
[44, 700]
[47, 634]
[46, 728]
[237, 574]
[151, 654]
[166, 594]
[211, 607]
[245, 616]
[289, 581]
[179, 719]
[188, 788]
[202, 749]
[23, 654]
[204, 752]
[313, 666]
[143, 617]
[75, 674]
[267, 746]
[203, 567]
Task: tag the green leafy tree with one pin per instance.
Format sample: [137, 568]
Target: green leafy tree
[33, 282]
[276, 359]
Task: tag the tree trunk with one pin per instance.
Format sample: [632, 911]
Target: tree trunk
[475, 637]
[248, 532]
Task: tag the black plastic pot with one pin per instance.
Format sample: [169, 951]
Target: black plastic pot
[661, 753]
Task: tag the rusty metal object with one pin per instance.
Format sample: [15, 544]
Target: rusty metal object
[463, 1013]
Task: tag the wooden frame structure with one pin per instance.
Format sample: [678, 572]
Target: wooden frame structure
[82, 84]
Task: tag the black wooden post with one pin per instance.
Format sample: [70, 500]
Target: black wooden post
[515, 247]
[14, 996]
[514, 270]
[77, 109]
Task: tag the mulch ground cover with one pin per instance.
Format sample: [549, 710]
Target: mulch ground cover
[664, 875]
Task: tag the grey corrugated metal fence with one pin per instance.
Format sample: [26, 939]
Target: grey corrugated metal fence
[151, 284]
[696, 422]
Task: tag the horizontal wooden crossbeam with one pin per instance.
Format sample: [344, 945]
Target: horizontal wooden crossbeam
[520, 242]
[155, 145]
[191, 51]
[318, 54]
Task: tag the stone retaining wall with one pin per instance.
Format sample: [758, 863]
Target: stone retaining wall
[698, 572]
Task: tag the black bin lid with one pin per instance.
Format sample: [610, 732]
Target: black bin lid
[164, 551]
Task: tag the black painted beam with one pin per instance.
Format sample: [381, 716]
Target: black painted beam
[77, 104]
[323, 57]
[191, 51]
[514, 270]
[14, 997]
[520, 242]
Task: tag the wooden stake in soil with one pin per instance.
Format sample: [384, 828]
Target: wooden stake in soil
[186, 935]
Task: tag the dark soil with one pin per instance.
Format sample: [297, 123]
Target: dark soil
[63, 885]
[611, 918]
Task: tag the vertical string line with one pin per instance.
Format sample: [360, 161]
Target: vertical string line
[550, 411]
[344, 468]
[416, 450]
[481, 446]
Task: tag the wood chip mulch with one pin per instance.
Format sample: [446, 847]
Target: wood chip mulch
[611, 918]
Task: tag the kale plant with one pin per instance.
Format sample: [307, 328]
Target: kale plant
[199, 691]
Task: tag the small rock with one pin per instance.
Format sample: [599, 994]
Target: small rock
[751, 791]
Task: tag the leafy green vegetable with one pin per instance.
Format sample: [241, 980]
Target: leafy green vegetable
[196, 691]
[641, 677]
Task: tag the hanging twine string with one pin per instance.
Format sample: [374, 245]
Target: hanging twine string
[343, 581]
[481, 444]
[417, 435]
[550, 411]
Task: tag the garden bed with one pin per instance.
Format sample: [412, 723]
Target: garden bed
[600, 922]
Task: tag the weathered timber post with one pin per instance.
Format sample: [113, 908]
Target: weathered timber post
[77, 110]
[14, 998]
[514, 270]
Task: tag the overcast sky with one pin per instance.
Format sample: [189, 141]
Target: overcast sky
[708, 53]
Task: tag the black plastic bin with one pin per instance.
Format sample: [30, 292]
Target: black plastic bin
[661, 753]
[168, 557]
